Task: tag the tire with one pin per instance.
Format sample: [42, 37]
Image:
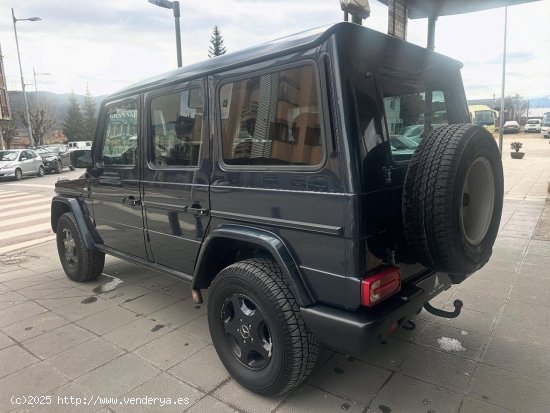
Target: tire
[41, 171]
[18, 175]
[452, 199]
[58, 167]
[72, 168]
[80, 264]
[285, 351]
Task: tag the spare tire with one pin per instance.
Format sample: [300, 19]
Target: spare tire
[452, 199]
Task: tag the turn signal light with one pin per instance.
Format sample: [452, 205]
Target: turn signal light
[381, 285]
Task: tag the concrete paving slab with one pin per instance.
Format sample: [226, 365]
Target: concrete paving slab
[170, 349]
[107, 320]
[34, 326]
[475, 406]
[509, 390]
[117, 377]
[149, 303]
[15, 358]
[405, 394]
[179, 313]
[235, 395]
[455, 341]
[137, 333]
[524, 331]
[211, 405]
[165, 387]
[350, 378]
[203, 370]
[438, 368]
[56, 341]
[85, 357]
[19, 311]
[388, 355]
[308, 399]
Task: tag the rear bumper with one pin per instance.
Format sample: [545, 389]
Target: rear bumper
[353, 332]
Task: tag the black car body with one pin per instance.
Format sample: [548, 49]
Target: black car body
[304, 178]
[55, 157]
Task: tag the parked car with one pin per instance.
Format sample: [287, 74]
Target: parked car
[56, 157]
[533, 125]
[510, 126]
[267, 176]
[16, 163]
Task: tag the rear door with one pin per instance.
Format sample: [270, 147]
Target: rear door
[114, 183]
[26, 162]
[176, 174]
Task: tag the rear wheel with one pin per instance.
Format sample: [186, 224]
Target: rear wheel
[80, 263]
[257, 328]
[40, 171]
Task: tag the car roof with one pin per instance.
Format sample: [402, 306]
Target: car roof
[295, 43]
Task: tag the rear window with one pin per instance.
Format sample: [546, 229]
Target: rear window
[410, 116]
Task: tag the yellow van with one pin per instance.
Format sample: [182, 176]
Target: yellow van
[485, 116]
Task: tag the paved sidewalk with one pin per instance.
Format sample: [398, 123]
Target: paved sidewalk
[136, 333]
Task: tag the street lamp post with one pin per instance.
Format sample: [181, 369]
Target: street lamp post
[32, 19]
[175, 6]
[503, 86]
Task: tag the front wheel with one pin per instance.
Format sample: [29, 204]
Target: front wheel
[257, 328]
[58, 167]
[18, 175]
[80, 263]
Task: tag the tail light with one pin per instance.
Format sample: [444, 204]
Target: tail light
[379, 286]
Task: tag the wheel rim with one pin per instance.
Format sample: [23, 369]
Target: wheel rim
[246, 331]
[69, 244]
[478, 199]
[18, 174]
[41, 171]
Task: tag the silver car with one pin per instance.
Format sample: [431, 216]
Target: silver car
[16, 163]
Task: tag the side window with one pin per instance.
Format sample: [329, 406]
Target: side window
[407, 119]
[272, 119]
[120, 134]
[23, 156]
[176, 128]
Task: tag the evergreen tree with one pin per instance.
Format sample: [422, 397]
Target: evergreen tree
[216, 43]
[88, 113]
[73, 126]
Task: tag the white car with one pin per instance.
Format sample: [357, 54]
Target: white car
[16, 163]
[533, 125]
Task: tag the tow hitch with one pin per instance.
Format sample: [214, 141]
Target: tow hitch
[442, 313]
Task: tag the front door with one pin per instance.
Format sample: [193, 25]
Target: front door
[114, 185]
[175, 181]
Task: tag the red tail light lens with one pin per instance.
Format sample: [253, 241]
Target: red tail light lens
[381, 285]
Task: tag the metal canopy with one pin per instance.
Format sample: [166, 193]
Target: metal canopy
[418, 9]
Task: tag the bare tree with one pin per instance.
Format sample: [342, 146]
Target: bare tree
[42, 121]
[515, 106]
[8, 132]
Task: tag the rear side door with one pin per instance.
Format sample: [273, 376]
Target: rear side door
[114, 183]
[176, 174]
[36, 161]
[25, 162]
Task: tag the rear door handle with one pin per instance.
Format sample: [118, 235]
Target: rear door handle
[132, 201]
[197, 211]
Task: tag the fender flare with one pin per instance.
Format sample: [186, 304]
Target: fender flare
[269, 241]
[61, 204]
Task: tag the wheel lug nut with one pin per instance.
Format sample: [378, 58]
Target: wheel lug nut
[250, 326]
[241, 320]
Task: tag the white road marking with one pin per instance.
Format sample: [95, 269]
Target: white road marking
[25, 231]
[5, 206]
[26, 244]
[18, 211]
[26, 218]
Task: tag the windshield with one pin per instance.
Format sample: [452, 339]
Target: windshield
[46, 151]
[533, 122]
[8, 155]
[483, 117]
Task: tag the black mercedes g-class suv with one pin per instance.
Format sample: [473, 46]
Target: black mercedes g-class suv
[323, 187]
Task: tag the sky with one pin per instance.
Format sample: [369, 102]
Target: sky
[108, 44]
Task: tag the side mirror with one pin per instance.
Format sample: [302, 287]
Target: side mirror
[81, 158]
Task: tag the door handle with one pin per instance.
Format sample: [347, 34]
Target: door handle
[197, 211]
[131, 201]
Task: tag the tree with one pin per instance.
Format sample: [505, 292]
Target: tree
[42, 121]
[8, 132]
[216, 43]
[88, 112]
[515, 106]
[73, 126]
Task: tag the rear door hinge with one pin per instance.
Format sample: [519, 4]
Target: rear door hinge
[387, 173]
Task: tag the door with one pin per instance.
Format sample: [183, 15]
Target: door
[36, 161]
[175, 181]
[26, 163]
[114, 184]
